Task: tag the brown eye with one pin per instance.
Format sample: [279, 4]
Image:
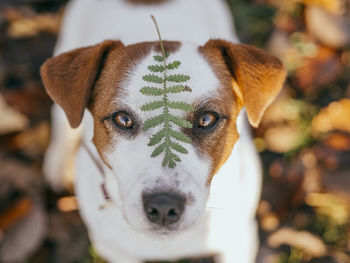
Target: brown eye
[207, 120]
[122, 120]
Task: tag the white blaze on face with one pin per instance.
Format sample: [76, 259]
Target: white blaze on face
[133, 167]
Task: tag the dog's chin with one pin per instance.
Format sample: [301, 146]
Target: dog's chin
[168, 231]
[161, 232]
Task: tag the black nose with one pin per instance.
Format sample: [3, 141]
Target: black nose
[162, 208]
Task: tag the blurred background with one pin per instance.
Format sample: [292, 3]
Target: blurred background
[303, 140]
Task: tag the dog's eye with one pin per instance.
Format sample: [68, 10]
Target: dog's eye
[207, 120]
[122, 120]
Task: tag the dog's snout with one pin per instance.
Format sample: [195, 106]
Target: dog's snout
[162, 208]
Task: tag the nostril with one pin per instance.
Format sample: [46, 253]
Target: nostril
[163, 208]
[152, 211]
[152, 214]
[172, 213]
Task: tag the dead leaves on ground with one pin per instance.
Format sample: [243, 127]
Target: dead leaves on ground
[304, 138]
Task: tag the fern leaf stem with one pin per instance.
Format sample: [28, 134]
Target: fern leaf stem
[167, 158]
[166, 120]
[160, 41]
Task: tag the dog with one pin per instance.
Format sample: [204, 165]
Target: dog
[204, 202]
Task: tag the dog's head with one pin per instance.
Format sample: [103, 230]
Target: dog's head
[107, 78]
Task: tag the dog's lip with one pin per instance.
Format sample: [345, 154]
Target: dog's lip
[170, 230]
[164, 233]
[165, 230]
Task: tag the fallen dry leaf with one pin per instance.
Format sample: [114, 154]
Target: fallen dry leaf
[26, 23]
[22, 239]
[292, 48]
[67, 204]
[31, 142]
[333, 6]
[338, 184]
[333, 30]
[30, 100]
[269, 222]
[336, 116]
[283, 138]
[307, 242]
[19, 209]
[338, 141]
[318, 70]
[311, 180]
[283, 109]
[10, 119]
[329, 205]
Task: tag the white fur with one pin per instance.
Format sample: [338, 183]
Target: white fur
[224, 224]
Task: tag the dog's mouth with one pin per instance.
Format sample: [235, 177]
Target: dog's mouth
[164, 231]
[170, 230]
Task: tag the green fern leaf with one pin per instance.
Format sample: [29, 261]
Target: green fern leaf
[178, 78]
[180, 122]
[152, 105]
[158, 150]
[166, 160]
[158, 58]
[180, 136]
[173, 65]
[151, 91]
[156, 68]
[153, 122]
[169, 160]
[172, 164]
[178, 147]
[153, 78]
[180, 106]
[175, 157]
[156, 138]
[175, 89]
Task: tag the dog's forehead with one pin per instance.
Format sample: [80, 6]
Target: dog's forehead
[203, 81]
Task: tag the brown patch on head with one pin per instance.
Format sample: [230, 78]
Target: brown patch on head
[249, 77]
[218, 145]
[258, 76]
[70, 77]
[146, 2]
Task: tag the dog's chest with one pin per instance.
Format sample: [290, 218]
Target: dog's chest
[88, 22]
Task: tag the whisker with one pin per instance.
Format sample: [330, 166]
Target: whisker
[213, 208]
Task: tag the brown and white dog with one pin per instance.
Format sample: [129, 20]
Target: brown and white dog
[206, 204]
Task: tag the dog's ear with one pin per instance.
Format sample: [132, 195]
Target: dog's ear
[258, 75]
[70, 77]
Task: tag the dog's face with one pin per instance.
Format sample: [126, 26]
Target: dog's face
[107, 79]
